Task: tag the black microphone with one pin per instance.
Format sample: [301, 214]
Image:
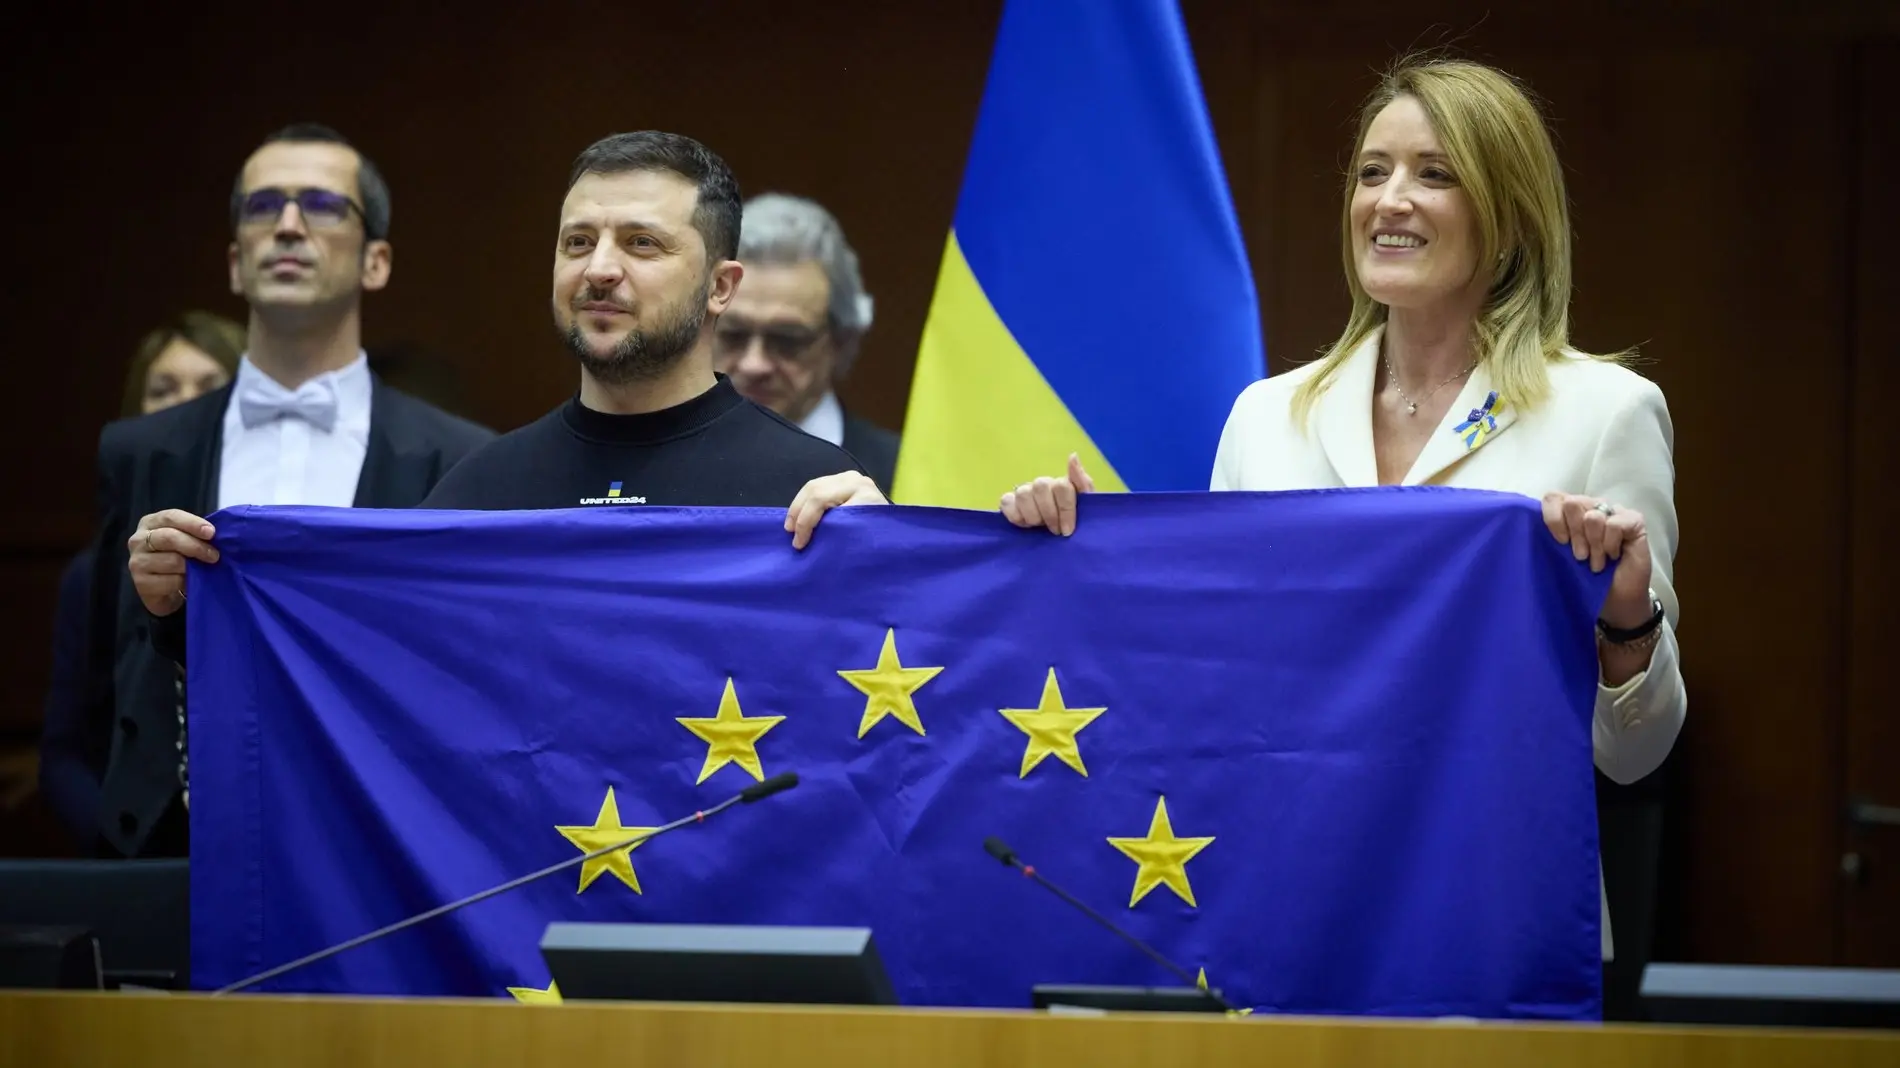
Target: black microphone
[994, 847]
[759, 791]
[756, 792]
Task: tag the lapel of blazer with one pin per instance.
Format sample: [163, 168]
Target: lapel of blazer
[185, 468]
[1342, 417]
[1473, 421]
[397, 464]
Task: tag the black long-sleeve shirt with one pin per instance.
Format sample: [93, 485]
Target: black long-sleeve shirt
[718, 449]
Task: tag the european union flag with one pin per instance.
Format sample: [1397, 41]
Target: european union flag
[1094, 295]
[1332, 747]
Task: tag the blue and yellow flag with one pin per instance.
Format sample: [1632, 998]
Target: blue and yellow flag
[1094, 295]
[1333, 748]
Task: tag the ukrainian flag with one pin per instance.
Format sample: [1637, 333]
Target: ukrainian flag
[1095, 295]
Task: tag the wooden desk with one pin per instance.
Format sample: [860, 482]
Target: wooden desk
[51, 1030]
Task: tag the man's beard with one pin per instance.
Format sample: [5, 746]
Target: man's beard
[643, 356]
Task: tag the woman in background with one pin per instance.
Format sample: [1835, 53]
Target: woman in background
[175, 363]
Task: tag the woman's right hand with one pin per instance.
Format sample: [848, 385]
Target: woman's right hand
[1049, 502]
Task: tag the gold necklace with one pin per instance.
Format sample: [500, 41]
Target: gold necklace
[1411, 406]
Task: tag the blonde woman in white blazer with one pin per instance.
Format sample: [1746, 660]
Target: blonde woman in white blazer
[1455, 369]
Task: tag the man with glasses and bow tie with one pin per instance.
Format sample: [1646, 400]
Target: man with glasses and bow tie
[303, 422]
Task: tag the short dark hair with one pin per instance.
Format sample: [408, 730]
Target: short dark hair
[370, 187]
[717, 214]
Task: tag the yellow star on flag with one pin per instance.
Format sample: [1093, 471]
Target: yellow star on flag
[888, 687]
[605, 832]
[529, 995]
[1051, 728]
[1201, 981]
[731, 736]
[1162, 857]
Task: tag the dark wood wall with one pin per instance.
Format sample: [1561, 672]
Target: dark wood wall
[1870, 729]
[1728, 165]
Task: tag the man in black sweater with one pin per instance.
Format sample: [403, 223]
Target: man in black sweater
[643, 266]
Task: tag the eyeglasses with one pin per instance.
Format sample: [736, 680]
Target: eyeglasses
[782, 344]
[319, 207]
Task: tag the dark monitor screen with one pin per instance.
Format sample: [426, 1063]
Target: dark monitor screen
[1124, 998]
[1771, 996]
[695, 962]
[139, 910]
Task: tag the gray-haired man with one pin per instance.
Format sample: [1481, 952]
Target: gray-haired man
[793, 328]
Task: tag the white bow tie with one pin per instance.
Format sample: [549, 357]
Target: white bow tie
[262, 400]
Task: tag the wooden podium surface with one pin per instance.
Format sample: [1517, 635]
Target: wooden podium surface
[54, 1030]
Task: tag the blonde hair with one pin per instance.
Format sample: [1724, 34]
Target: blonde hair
[214, 335]
[1498, 145]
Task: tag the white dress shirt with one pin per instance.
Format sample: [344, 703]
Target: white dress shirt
[825, 420]
[1603, 431]
[302, 446]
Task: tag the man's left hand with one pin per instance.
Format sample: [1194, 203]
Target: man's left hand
[821, 495]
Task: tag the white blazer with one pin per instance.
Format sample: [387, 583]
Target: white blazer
[1603, 431]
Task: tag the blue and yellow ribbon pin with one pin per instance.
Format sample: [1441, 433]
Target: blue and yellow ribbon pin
[1481, 421]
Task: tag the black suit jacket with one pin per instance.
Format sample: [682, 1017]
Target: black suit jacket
[68, 781]
[135, 677]
[874, 447]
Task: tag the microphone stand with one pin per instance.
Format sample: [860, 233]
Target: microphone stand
[1001, 852]
[755, 792]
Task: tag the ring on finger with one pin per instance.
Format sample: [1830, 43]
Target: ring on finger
[1606, 508]
[148, 541]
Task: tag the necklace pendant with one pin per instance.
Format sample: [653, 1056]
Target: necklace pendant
[1412, 409]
